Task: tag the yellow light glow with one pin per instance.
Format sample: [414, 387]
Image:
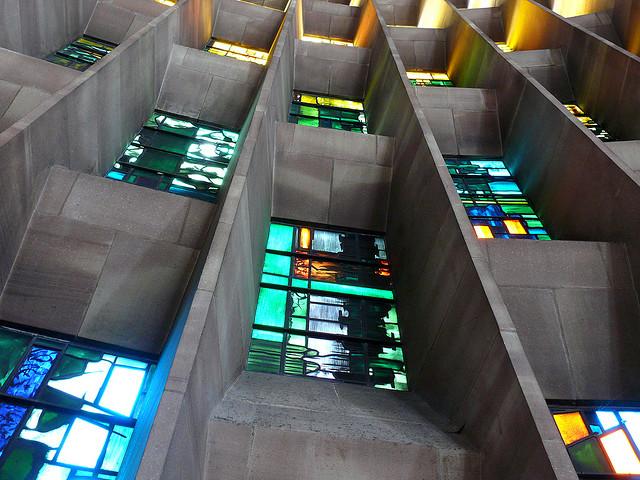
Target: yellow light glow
[440, 76]
[620, 452]
[435, 14]
[238, 52]
[308, 99]
[482, 231]
[354, 3]
[514, 227]
[338, 103]
[327, 40]
[482, 3]
[305, 238]
[418, 75]
[504, 47]
[571, 426]
[574, 8]
[574, 109]
[168, 3]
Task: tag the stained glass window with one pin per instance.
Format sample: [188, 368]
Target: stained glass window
[327, 40]
[589, 122]
[420, 78]
[168, 3]
[177, 155]
[81, 53]
[493, 200]
[327, 112]
[504, 47]
[326, 308]
[67, 411]
[235, 50]
[602, 441]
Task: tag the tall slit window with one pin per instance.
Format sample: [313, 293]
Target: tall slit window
[327, 112]
[67, 411]
[179, 156]
[602, 441]
[494, 202]
[326, 308]
[81, 53]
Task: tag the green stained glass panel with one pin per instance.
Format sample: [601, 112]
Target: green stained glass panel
[588, 457]
[352, 290]
[277, 264]
[12, 347]
[272, 306]
[280, 237]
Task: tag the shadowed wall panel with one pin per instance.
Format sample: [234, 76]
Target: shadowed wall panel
[626, 18]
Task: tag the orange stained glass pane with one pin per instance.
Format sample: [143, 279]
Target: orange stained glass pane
[514, 227]
[620, 452]
[571, 426]
[305, 238]
[482, 231]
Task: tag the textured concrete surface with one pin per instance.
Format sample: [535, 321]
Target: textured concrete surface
[39, 27]
[25, 83]
[421, 48]
[547, 67]
[330, 176]
[97, 250]
[209, 87]
[329, 19]
[464, 120]
[558, 294]
[247, 23]
[331, 69]
[324, 430]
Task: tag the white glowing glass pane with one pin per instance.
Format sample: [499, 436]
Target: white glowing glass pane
[52, 438]
[632, 422]
[122, 390]
[34, 418]
[53, 472]
[131, 363]
[87, 385]
[607, 419]
[83, 445]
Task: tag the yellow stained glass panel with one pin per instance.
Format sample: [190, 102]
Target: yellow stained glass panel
[168, 3]
[571, 426]
[515, 227]
[308, 99]
[340, 103]
[482, 231]
[620, 452]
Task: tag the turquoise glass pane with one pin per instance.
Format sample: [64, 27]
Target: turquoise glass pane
[280, 237]
[277, 264]
[352, 290]
[272, 306]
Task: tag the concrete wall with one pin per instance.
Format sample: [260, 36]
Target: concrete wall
[39, 27]
[214, 343]
[603, 76]
[571, 302]
[95, 252]
[421, 48]
[116, 20]
[405, 12]
[557, 162]
[247, 23]
[208, 87]
[331, 69]
[332, 177]
[329, 19]
[464, 121]
[489, 20]
[626, 18]
[480, 380]
[25, 83]
[91, 119]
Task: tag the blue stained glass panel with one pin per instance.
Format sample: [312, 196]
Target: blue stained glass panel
[32, 372]
[10, 418]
